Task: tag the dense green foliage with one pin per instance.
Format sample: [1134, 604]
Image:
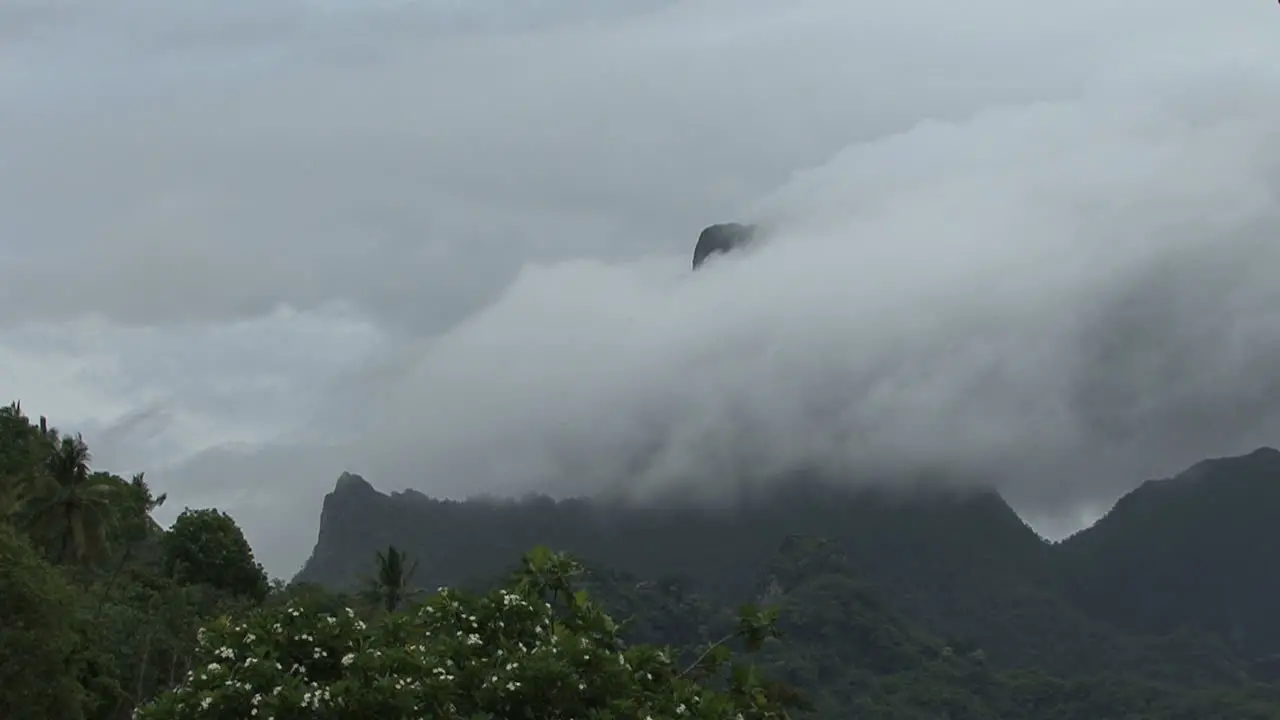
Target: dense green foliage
[859, 659]
[37, 643]
[206, 546]
[391, 586]
[925, 605]
[960, 565]
[1201, 550]
[91, 621]
[537, 648]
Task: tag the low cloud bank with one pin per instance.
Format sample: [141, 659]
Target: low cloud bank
[1047, 297]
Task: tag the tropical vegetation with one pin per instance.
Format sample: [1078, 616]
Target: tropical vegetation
[106, 615]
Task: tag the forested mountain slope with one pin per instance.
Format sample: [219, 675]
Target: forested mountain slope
[1200, 550]
[960, 564]
[914, 606]
[852, 655]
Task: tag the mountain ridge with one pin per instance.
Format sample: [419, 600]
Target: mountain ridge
[1200, 550]
[960, 563]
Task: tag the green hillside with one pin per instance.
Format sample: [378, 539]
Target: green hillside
[927, 603]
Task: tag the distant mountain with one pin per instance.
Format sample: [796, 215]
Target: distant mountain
[960, 565]
[1199, 551]
[946, 557]
[854, 656]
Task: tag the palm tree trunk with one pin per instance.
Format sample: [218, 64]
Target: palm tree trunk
[102, 597]
[142, 669]
[173, 669]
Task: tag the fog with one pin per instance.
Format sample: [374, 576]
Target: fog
[1030, 247]
[1056, 286]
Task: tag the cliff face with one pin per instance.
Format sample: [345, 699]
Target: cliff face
[1193, 563]
[349, 518]
[721, 238]
[459, 541]
[941, 556]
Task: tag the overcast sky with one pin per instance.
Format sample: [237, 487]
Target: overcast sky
[245, 246]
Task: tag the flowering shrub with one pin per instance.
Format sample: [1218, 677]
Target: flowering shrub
[534, 649]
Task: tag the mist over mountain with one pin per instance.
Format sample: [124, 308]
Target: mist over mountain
[996, 299]
[936, 299]
[1176, 583]
[1007, 262]
[898, 600]
[1033, 252]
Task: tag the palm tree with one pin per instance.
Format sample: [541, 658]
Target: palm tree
[12, 493]
[391, 586]
[149, 502]
[13, 411]
[16, 490]
[139, 482]
[72, 504]
[15, 459]
[131, 530]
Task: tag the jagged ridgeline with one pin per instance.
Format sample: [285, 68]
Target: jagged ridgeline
[1175, 584]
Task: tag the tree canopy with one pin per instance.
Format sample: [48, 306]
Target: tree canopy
[105, 614]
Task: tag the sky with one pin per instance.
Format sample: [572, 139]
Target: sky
[246, 246]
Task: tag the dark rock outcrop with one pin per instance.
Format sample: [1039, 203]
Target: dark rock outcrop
[721, 238]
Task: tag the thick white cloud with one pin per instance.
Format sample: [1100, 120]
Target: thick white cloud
[1031, 284]
[1028, 241]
